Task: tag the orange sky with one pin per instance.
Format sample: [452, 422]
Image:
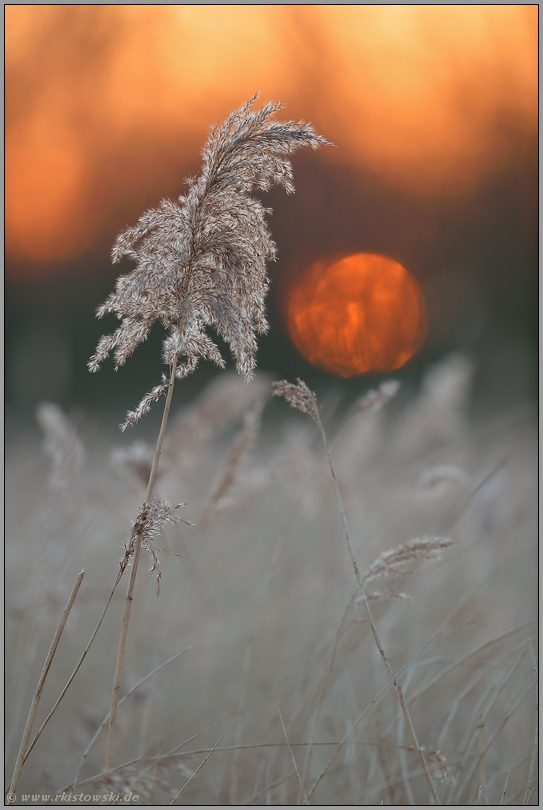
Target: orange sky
[108, 103]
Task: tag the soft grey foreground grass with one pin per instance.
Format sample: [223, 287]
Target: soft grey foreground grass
[263, 596]
[24, 747]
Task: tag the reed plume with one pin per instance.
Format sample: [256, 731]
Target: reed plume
[399, 561]
[201, 260]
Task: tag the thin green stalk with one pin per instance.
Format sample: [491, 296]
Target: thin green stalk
[131, 584]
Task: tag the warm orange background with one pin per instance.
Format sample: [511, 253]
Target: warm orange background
[433, 110]
[108, 104]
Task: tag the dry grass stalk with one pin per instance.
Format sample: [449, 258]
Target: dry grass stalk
[514, 799]
[377, 596]
[135, 553]
[494, 735]
[427, 550]
[305, 801]
[121, 701]
[201, 765]
[364, 714]
[302, 398]
[439, 762]
[488, 699]
[322, 692]
[400, 729]
[77, 667]
[460, 661]
[504, 791]
[200, 262]
[482, 763]
[39, 689]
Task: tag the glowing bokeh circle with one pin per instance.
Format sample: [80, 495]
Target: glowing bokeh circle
[363, 313]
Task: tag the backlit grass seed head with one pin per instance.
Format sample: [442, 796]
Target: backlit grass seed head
[149, 524]
[298, 396]
[201, 260]
[399, 561]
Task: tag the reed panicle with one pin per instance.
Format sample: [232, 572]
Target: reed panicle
[149, 524]
[201, 260]
[298, 396]
[399, 561]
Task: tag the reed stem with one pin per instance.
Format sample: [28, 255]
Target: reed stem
[131, 584]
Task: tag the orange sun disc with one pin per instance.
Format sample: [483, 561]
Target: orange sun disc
[360, 314]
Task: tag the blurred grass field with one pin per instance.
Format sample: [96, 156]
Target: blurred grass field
[261, 589]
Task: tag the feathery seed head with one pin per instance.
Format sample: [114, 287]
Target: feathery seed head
[149, 524]
[298, 396]
[399, 561]
[201, 260]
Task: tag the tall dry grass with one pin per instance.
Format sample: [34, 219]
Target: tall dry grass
[262, 592]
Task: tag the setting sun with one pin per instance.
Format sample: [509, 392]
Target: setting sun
[360, 314]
